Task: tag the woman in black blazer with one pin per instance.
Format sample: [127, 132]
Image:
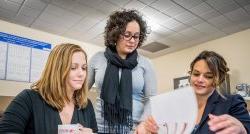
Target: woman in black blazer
[216, 113]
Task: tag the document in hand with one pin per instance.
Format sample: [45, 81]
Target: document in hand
[175, 112]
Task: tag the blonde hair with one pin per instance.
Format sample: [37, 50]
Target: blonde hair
[52, 83]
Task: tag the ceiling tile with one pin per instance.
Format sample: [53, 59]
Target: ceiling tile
[190, 32]
[171, 23]
[188, 3]
[53, 15]
[206, 28]
[99, 27]
[99, 40]
[90, 3]
[174, 10]
[16, 1]
[47, 27]
[238, 15]
[201, 9]
[54, 10]
[37, 4]
[106, 7]
[89, 35]
[30, 12]
[89, 21]
[164, 32]
[119, 3]
[10, 6]
[63, 3]
[160, 17]
[135, 4]
[194, 21]
[185, 16]
[210, 14]
[7, 15]
[244, 25]
[243, 2]
[154, 17]
[95, 15]
[162, 5]
[149, 12]
[153, 36]
[80, 9]
[177, 23]
[174, 25]
[178, 37]
[223, 6]
[147, 2]
[74, 35]
[73, 6]
[220, 22]
[247, 8]
[84, 25]
[24, 20]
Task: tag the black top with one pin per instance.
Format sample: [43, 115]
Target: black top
[28, 113]
[233, 105]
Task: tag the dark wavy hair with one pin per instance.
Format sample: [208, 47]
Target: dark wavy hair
[216, 64]
[117, 23]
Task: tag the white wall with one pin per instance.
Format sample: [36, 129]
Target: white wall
[12, 88]
[234, 48]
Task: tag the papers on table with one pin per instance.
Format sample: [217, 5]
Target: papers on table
[175, 112]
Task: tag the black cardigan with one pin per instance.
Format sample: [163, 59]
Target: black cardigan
[28, 113]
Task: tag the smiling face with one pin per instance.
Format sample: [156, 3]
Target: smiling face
[129, 40]
[77, 73]
[202, 79]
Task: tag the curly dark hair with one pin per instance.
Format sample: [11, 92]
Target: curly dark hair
[117, 23]
[216, 64]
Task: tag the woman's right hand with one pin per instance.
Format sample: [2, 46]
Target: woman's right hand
[151, 125]
[148, 126]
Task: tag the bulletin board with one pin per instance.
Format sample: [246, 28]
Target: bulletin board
[22, 59]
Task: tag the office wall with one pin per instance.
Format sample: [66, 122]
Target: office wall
[234, 48]
[12, 88]
[8, 89]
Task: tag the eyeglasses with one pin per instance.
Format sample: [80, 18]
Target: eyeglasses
[128, 36]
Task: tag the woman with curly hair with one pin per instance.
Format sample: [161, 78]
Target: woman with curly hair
[125, 80]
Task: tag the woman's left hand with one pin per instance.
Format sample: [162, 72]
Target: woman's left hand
[225, 124]
[84, 130]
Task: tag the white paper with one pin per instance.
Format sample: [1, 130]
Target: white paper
[3, 59]
[38, 61]
[18, 63]
[175, 112]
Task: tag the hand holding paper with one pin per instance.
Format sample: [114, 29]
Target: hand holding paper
[175, 112]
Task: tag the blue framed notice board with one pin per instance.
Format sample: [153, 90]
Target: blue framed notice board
[22, 59]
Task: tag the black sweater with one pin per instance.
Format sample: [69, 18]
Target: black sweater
[28, 113]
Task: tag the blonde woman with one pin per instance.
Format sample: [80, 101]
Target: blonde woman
[58, 97]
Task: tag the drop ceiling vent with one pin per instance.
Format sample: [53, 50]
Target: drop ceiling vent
[154, 47]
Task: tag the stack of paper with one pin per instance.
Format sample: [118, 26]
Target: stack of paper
[175, 112]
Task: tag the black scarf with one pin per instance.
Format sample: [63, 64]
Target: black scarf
[117, 96]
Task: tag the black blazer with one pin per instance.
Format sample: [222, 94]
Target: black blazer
[233, 105]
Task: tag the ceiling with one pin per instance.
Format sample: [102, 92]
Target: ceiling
[175, 24]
